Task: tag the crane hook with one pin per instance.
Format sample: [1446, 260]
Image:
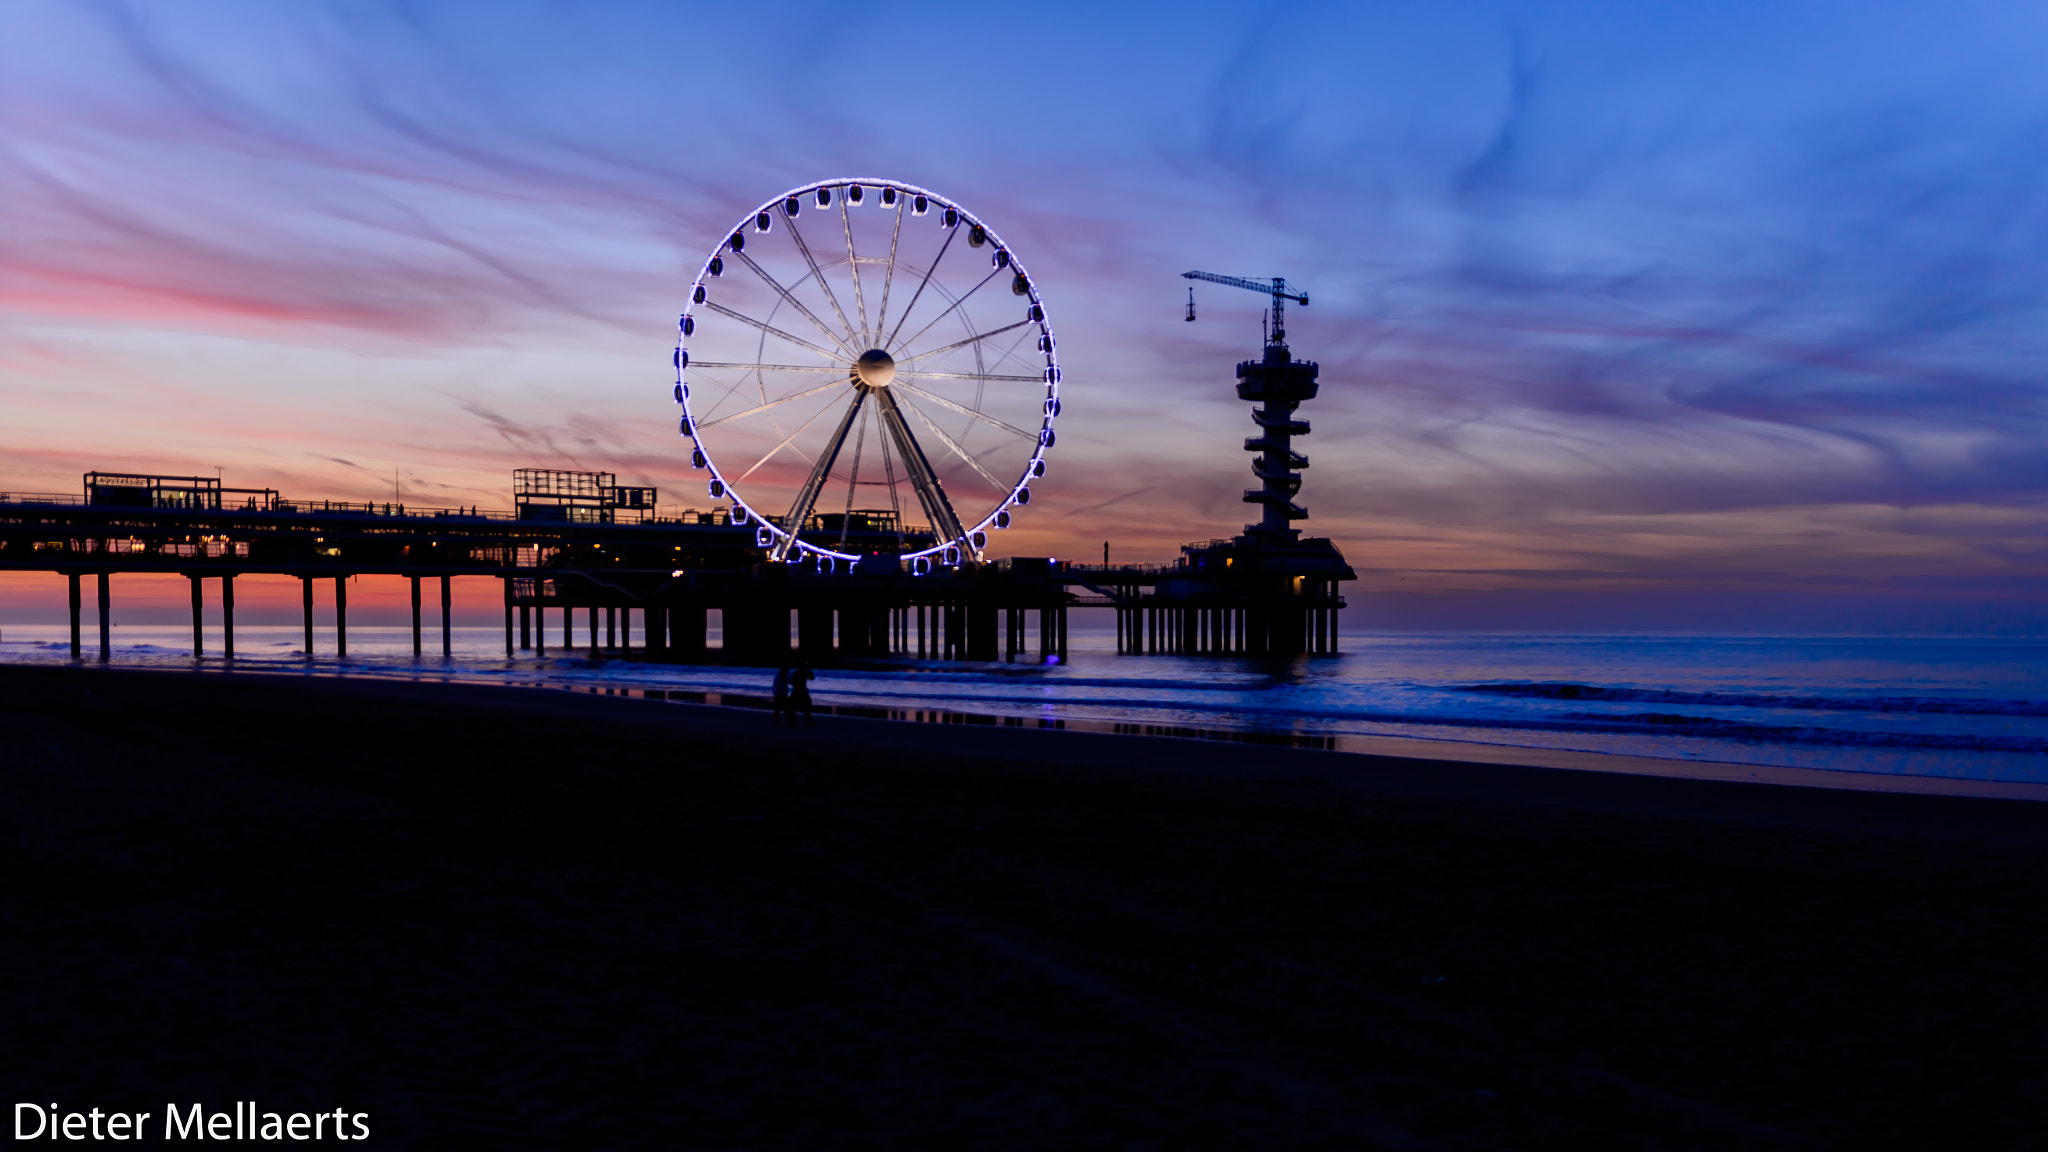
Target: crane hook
[1191, 302]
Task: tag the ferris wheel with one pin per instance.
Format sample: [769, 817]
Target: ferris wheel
[858, 350]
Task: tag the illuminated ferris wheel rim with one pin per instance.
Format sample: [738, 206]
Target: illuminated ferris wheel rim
[970, 540]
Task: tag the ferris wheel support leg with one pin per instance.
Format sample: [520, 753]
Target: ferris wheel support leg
[807, 497]
[945, 522]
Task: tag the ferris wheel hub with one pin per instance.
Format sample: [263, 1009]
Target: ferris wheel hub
[876, 368]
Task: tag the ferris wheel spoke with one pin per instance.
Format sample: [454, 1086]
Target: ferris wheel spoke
[955, 304]
[974, 339]
[889, 272]
[927, 279]
[786, 439]
[969, 376]
[853, 264]
[797, 304]
[964, 410]
[772, 330]
[839, 368]
[1010, 353]
[949, 442]
[817, 273]
[772, 404]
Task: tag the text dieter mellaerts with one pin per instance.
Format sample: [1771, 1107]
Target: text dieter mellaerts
[241, 1122]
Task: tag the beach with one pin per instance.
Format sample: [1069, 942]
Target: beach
[525, 918]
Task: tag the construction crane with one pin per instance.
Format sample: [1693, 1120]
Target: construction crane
[1277, 290]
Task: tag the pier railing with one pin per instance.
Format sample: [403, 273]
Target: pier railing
[384, 509]
[41, 498]
[395, 511]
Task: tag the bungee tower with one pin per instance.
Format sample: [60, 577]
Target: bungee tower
[1268, 590]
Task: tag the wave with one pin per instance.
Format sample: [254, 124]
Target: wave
[1558, 690]
[1052, 677]
[1621, 724]
[1672, 724]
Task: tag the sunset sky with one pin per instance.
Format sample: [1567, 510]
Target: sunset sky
[1665, 316]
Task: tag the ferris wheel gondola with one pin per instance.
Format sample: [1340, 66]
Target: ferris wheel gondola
[850, 339]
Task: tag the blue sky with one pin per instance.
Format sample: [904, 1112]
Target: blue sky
[1648, 314]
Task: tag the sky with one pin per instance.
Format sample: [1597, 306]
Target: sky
[1636, 316]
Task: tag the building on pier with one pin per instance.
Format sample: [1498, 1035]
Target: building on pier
[1267, 591]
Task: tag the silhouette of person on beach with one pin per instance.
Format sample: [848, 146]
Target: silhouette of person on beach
[800, 695]
[782, 699]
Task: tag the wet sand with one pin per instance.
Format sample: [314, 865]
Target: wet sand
[528, 919]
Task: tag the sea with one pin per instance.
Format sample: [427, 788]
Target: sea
[1971, 709]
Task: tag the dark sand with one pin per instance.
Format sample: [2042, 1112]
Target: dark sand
[508, 918]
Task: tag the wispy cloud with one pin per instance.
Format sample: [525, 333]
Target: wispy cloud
[1589, 286]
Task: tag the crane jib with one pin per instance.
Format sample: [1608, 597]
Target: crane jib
[1276, 336]
[1277, 287]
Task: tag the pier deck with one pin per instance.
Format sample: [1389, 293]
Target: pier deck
[612, 561]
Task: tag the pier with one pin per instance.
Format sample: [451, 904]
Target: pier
[586, 564]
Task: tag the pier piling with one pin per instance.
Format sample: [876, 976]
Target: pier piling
[106, 627]
[76, 648]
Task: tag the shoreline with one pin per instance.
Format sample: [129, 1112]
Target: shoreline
[1572, 782]
[1456, 752]
[1992, 758]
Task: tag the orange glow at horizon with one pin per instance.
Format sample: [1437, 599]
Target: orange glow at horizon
[159, 599]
